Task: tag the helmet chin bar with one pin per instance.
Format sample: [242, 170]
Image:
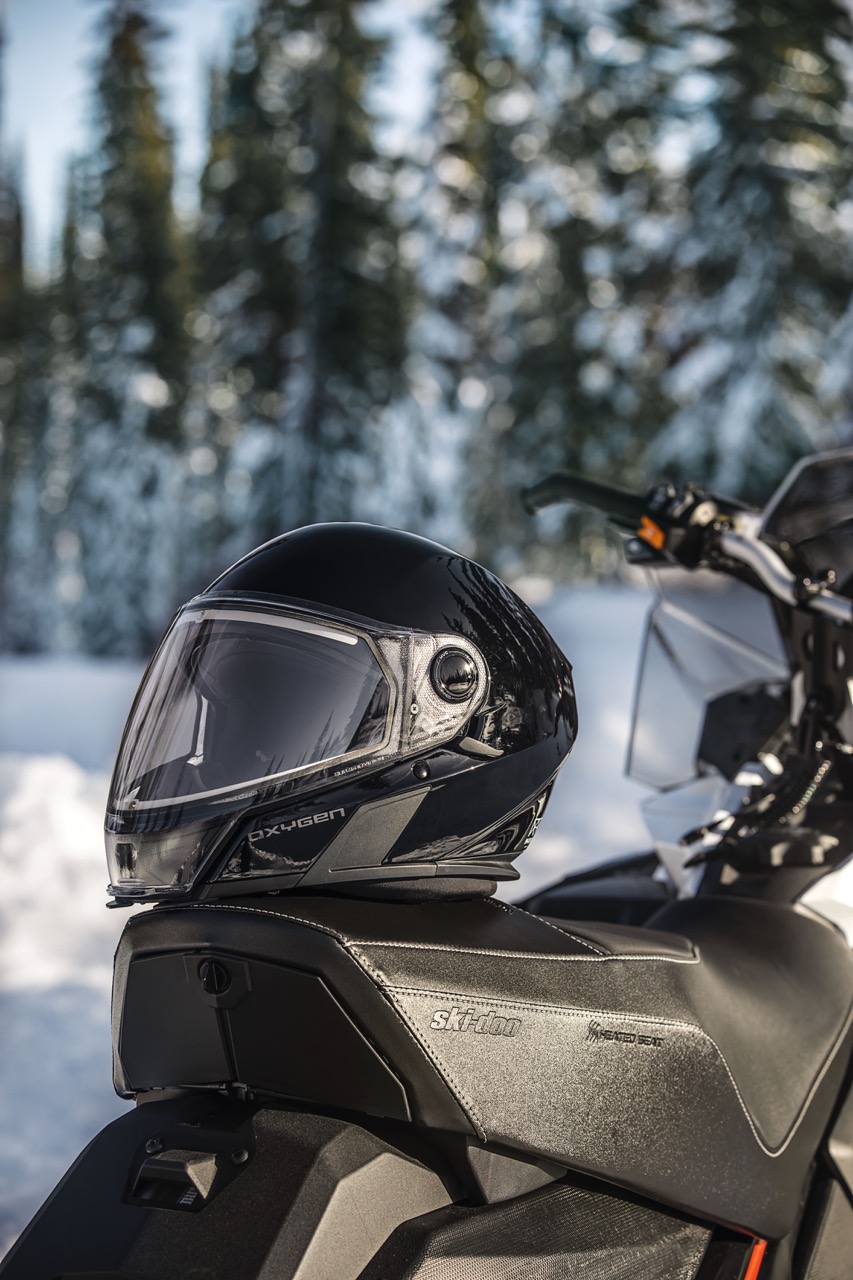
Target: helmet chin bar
[383, 842]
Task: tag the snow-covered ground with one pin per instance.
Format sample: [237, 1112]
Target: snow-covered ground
[60, 722]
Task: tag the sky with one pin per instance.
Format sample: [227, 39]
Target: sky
[46, 103]
[46, 89]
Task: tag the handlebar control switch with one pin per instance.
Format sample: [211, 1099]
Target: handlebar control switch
[704, 513]
[650, 532]
[662, 499]
[824, 580]
[675, 521]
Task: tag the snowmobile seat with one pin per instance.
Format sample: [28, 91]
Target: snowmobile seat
[696, 1062]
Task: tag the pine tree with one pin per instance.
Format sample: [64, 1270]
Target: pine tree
[298, 263]
[253, 206]
[41, 490]
[138, 255]
[352, 284]
[451, 189]
[13, 303]
[757, 281]
[124, 292]
[15, 443]
[54, 402]
[582, 221]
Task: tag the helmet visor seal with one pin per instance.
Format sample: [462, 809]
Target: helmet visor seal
[238, 697]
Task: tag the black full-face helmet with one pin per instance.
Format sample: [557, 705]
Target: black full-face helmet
[349, 708]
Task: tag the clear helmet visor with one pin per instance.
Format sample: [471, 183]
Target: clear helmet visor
[245, 703]
[236, 698]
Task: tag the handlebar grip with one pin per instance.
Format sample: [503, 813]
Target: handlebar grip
[621, 508]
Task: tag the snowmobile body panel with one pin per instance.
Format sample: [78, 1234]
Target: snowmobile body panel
[696, 1065]
[199, 1186]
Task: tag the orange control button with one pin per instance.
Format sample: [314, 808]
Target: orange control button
[651, 533]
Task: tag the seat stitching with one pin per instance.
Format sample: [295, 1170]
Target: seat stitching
[522, 955]
[565, 1011]
[440, 1067]
[427, 946]
[498, 905]
[564, 933]
[364, 964]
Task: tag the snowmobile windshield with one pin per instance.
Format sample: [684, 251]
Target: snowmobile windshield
[713, 680]
[813, 511]
[237, 697]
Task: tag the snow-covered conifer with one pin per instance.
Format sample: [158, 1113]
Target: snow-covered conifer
[450, 188]
[123, 271]
[582, 224]
[299, 264]
[762, 274]
[15, 447]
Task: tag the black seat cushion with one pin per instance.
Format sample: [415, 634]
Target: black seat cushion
[773, 990]
[697, 1062]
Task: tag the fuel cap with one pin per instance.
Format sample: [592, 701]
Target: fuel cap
[215, 978]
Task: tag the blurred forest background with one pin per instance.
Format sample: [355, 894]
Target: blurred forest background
[622, 242]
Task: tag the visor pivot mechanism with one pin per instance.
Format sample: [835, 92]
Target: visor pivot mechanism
[454, 675]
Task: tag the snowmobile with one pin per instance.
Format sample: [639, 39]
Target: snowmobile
[643, 1071]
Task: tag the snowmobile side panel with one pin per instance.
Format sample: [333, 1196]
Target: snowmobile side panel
[198, 1186]
[826, 1249]
[215, 1037]
[563, 1230]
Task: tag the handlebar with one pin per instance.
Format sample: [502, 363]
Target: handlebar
[780, 581]
[622, 508]
[629, 510]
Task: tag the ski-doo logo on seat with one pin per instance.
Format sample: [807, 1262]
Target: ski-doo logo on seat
[490, 1023]
[597, 1033]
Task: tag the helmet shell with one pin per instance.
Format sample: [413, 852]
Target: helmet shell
[445, 820]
